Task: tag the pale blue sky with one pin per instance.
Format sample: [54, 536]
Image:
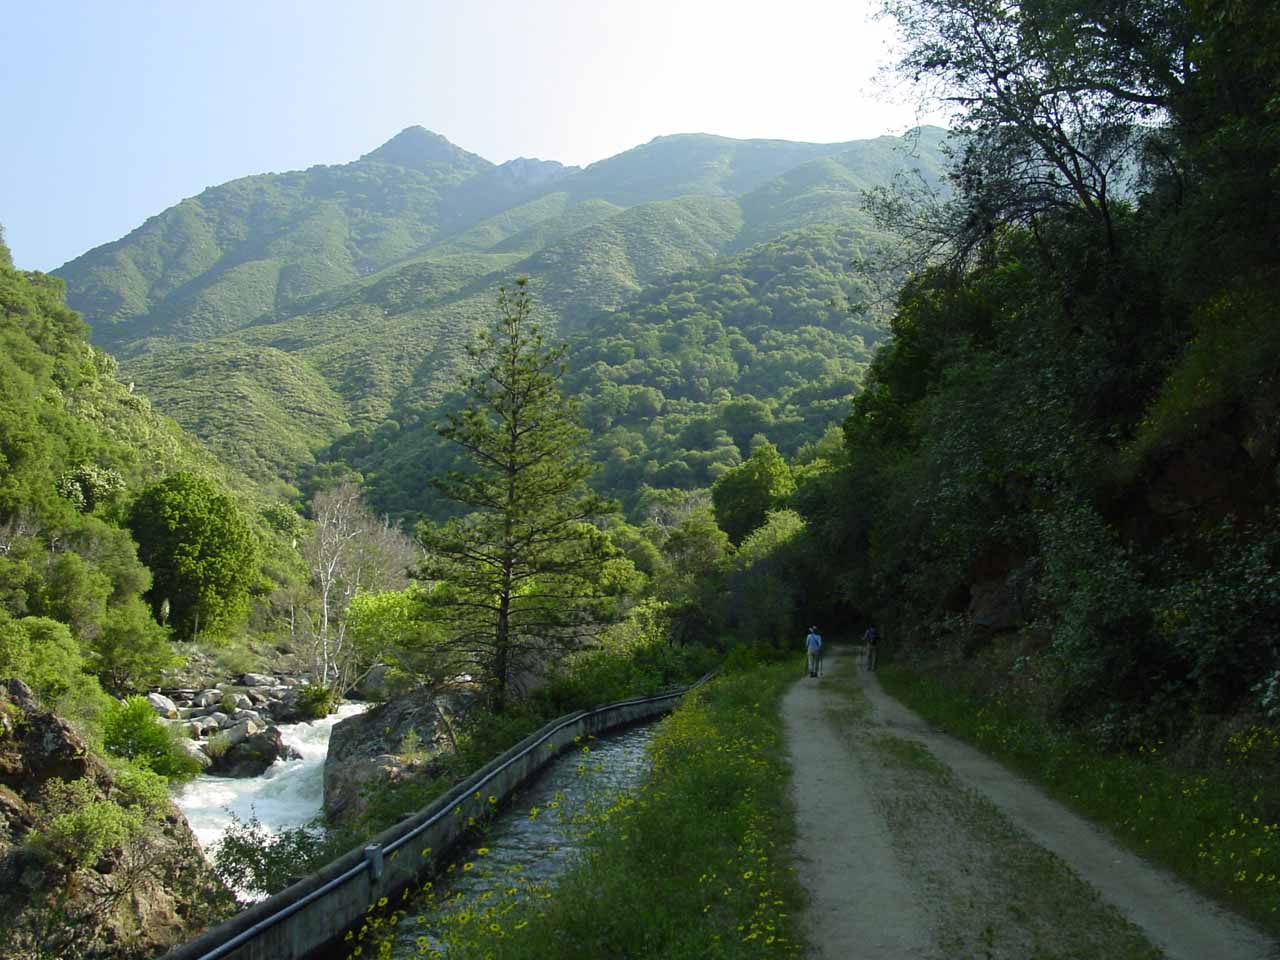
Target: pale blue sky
[117, 109]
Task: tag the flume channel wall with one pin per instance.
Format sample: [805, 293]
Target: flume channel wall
[300, 921]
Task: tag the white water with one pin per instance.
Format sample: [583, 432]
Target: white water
[289, 794]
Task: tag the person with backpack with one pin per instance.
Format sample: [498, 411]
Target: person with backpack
[872, 640]
[813, 646]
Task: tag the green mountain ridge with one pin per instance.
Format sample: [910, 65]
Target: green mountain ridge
[677, 383]
[336, 298]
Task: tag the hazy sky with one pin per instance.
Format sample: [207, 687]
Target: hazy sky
[115, 110]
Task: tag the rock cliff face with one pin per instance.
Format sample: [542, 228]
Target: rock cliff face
[145, 889]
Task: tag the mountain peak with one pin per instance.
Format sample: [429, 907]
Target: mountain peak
[531, 172]
[419, 148]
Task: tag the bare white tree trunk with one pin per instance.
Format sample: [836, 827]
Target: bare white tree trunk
[349, 551]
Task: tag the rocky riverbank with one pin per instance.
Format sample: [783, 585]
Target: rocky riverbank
[231, 729]
[401, 738]
[91, 864]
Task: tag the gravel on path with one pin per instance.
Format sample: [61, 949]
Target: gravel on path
[965, 868]
[861, 904]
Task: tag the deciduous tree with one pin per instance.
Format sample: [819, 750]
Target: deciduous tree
[201, 552]
[744, 496]
[349, 551]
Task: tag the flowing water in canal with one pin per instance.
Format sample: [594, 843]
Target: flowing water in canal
[533, 841]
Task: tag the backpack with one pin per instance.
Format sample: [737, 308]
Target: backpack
[873, 635]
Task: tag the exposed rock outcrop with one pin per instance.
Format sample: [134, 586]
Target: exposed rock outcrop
[151, 890]
[252, 754]
[368, 750]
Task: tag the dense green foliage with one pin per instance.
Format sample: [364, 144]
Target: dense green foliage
[1071, 407]
[77, 448]
[516, 576]
[201, 552]
[44, 654]
[744, 496]
[131, 729]
[676, 385]
[307, 342]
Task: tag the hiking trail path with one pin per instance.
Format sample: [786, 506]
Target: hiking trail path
[914, 846]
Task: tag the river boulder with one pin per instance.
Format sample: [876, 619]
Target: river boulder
[373, 748]
[211, 697]
[236, 701]
[196, 752]
[163, 705]
[252, 754]
[231, 735]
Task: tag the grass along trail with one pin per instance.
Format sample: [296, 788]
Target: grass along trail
[695, 864]
[912, 845]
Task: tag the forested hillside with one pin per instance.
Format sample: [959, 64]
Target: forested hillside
[124, 547]
[1055, 492]
[1073, 429]
[686, 379]
[273, 374]
[77, 605]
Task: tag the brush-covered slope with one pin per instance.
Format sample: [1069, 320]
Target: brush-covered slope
[253, 246]
[369, 339]
[680, 382]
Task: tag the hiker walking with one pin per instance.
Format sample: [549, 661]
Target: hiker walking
[813, 646]
[872, 640]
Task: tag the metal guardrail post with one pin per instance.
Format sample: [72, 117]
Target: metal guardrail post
[373, 857]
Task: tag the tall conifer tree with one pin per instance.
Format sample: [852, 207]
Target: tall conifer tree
[517, 574]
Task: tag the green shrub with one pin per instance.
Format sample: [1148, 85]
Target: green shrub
[141, 788]
[131, 649]
[132, 730]
[252, 859]
[79, 826]
[315, 701]
[44, 654]
[217, 745]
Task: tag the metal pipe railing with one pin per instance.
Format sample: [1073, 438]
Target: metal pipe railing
[375, 855]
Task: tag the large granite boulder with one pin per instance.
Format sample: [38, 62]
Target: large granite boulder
[288, 708]
[197, 754]
[368, 750]
[163, 705]
[253, 753]
[107, 907]
[211, 697]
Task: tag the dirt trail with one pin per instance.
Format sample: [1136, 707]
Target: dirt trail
[913, 845]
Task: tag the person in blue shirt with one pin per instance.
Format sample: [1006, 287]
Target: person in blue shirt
[871, 653]
[813, 646]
